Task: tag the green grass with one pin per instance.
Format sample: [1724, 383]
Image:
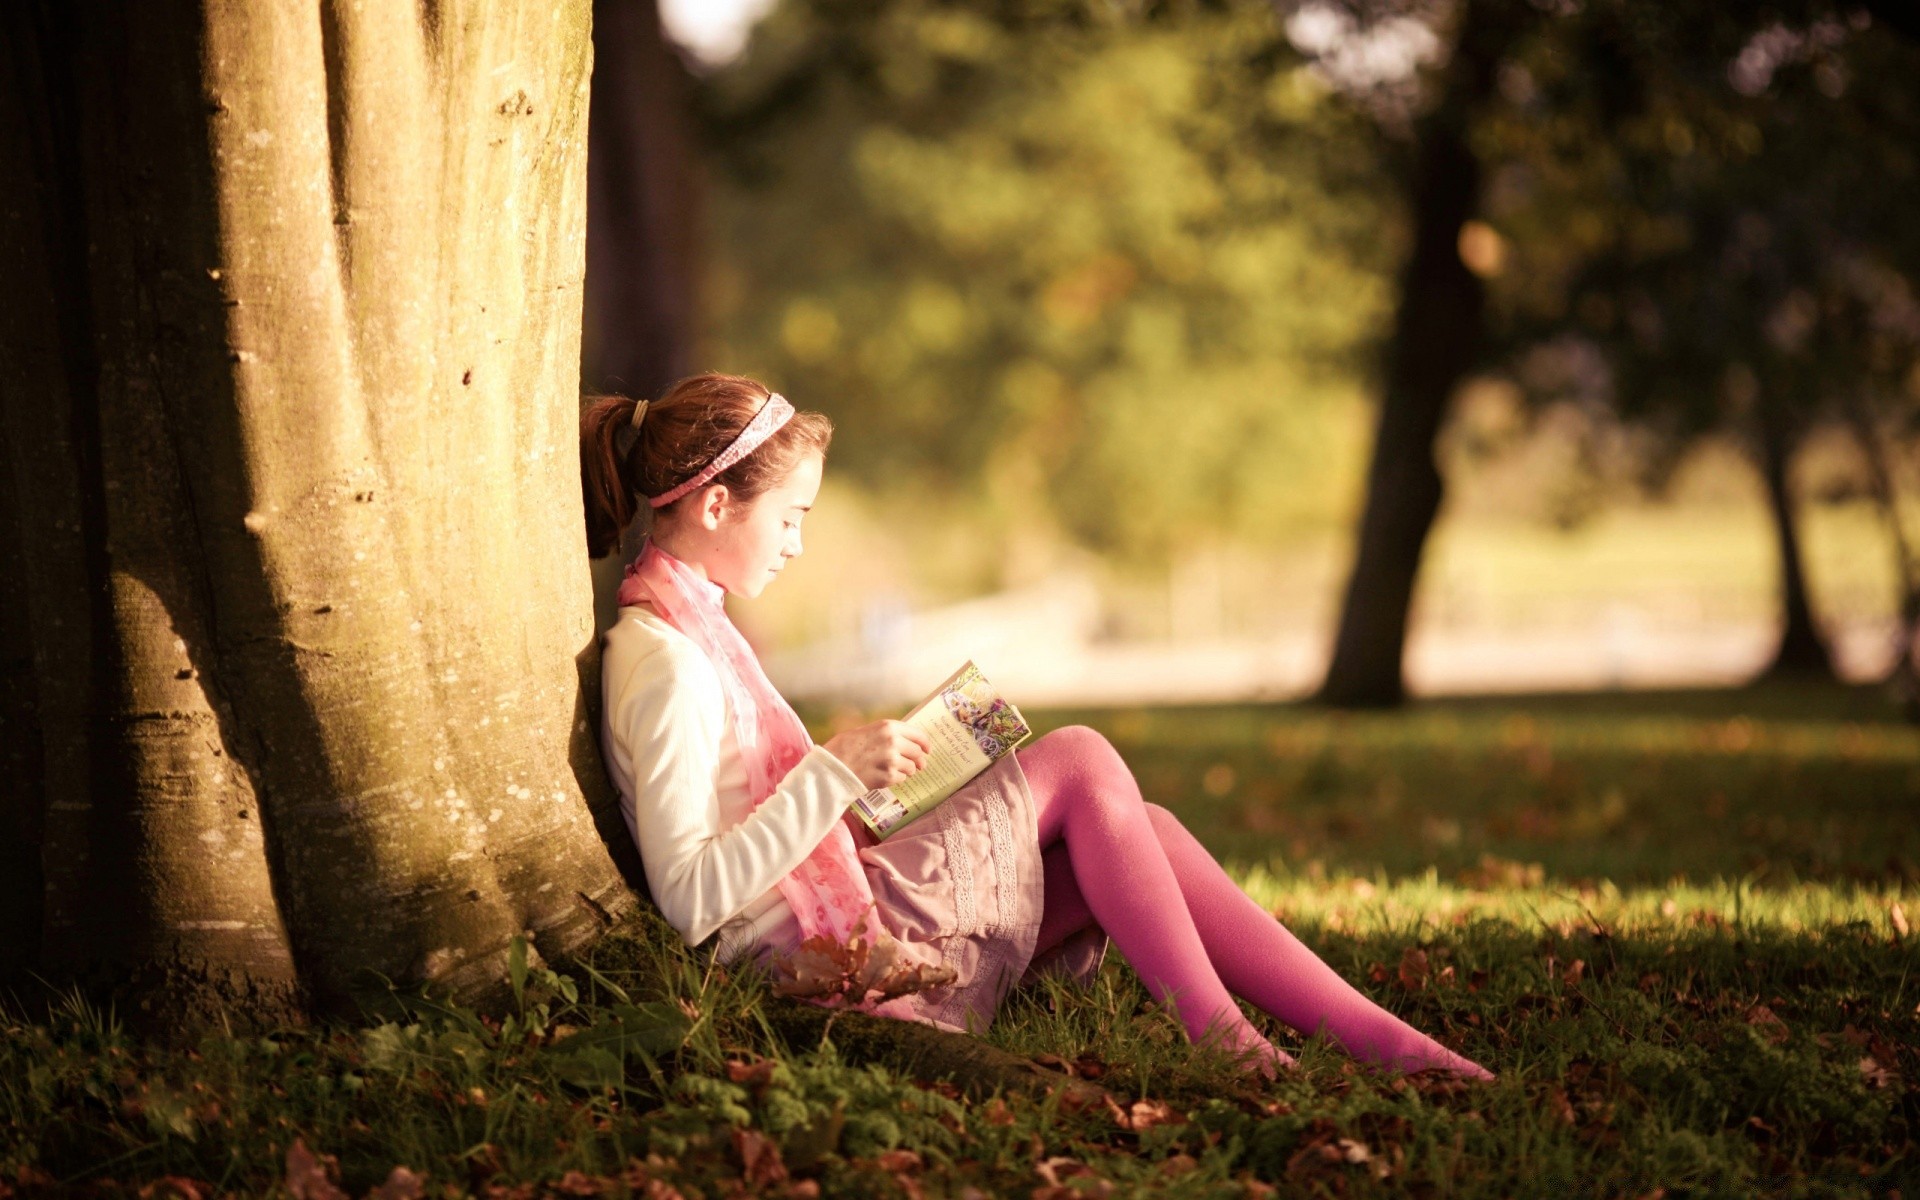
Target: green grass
[1667, 922]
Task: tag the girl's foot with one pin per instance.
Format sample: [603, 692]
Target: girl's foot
[1246, 1046]
[1435, 1057]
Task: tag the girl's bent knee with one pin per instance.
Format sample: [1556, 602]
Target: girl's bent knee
[1081, 742]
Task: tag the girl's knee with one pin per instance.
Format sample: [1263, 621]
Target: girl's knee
[1082, 743]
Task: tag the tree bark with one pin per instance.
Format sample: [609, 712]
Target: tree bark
[1801, 652]
[1437, 335]
[642, 207]
[292, 500]
[1904, 673]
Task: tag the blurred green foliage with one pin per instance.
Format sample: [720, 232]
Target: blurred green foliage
[1699, 206]
[1116, 276]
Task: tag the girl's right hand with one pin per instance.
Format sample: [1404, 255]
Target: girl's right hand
[883, 753]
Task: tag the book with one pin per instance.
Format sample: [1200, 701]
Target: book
[970, 727]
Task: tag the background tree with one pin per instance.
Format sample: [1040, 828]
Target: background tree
[1083, 274]
[644, 219]
[297, 635]
[643, 206]
[1745, 265]
[1438, 337]
[1659, 226]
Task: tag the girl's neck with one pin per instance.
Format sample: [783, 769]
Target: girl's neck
[699, 569]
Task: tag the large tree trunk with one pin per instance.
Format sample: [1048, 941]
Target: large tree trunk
[1801, 653]
[642, 229]
[1436, 338]
[297, 639]
[642, 207]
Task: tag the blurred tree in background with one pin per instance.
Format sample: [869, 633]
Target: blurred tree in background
[1709, 220]
[1693, 216]
[1110, 276]
[1128, 276]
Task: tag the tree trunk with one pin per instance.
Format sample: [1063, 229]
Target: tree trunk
[642, 207]
[1904, 672]
[1436, 338]
[299, 668]
[1801, 652]
[642, 229]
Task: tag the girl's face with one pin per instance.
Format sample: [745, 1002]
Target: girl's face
[743, 546]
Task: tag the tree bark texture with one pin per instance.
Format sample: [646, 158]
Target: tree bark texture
[1437, 334]
[642, 207]
[1801, 651]
[296, 628]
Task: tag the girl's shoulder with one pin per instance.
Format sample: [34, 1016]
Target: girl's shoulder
[642, 646]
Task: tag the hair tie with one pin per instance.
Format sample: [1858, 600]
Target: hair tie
[639, 412]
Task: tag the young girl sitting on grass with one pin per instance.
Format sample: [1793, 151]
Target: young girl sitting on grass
[742, 820]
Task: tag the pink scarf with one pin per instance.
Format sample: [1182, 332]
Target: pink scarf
[828, 891]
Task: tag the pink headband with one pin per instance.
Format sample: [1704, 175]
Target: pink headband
[772, 415]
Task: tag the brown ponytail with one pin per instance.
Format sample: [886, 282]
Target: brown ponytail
[682, 431]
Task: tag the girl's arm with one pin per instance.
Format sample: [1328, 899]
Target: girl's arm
[668, 714]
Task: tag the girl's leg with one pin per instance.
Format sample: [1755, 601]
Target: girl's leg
[1113, 869]
[1258, 958]
[1252, 954]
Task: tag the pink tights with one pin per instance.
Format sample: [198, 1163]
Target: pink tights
[1114, 859]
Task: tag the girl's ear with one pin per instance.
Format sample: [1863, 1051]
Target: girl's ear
[714, 502]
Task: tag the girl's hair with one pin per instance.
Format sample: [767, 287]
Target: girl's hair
[682, 431]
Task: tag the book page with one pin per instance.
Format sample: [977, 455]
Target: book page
[969, 727]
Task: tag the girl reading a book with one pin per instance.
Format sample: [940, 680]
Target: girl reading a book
[742, 821]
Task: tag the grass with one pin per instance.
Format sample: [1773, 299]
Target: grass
[1671, 923]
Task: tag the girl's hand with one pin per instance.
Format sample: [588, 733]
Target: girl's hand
[883, 753]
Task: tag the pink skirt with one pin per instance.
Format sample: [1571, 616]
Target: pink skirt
[963, 887]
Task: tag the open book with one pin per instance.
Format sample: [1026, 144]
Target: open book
[970, 727]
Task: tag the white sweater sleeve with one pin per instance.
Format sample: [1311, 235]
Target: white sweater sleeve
[669, 713]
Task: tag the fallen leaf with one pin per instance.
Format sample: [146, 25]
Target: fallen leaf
[1574, 971]
[1560, 1106]
[1875, 1075]
[1178, 1164]
[578, 1183]
[996, 1112]
[1413, 968]
[1089, 1067]
[894, 1161]
[1059, 1168]
[169, 1185]
[402, 1183]
[1769, 1024]
[759, 1157]
[809, 971]
[754, 1076]
[310, 1178]
[1144, 1114]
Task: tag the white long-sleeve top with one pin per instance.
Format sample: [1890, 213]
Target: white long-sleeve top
[711, 858]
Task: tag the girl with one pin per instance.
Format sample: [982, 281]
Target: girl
[741, 820]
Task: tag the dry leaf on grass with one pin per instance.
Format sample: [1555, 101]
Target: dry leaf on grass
[759, 1157]
[309, 1177]
[1768, 1024]
[1413, 968]
[855, 971]
[1143, 1114]
[1876, 1075]
[402, 1183]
